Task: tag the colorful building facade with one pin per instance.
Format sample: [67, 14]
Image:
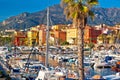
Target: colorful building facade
[42, 36]
[20, 38]
[71, 35]
[91, 34]
[59, 36]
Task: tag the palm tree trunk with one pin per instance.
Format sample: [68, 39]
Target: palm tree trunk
[81, 52]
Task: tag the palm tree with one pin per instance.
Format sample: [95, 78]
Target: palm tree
[78, 11]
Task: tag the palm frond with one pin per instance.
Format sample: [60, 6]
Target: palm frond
[92, 2]
[85, 9]
[67, 1]
[91, 14]
[76, 9]
[74, 15]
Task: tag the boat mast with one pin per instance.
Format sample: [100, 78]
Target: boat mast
[47, 39]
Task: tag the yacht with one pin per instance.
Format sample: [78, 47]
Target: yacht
[112, 77]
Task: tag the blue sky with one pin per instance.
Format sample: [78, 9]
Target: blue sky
[14, 7]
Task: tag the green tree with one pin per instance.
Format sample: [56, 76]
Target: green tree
[78, 11]
[65, 43]
[91, 45]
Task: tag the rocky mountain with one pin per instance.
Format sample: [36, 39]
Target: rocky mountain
[109, 16]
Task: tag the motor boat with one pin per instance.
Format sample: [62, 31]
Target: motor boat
[112, 77]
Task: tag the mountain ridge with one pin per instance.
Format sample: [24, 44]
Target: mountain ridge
[108, 16]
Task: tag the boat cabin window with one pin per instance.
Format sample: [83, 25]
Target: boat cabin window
[43, 68]
[96, 56]
[4, 49]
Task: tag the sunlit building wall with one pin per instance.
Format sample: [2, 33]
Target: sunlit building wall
[71, 35]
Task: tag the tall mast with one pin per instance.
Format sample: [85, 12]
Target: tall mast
[47, 38]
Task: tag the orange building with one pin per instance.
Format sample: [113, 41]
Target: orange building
[91, 34]
[42, 36]
[59, 36]
[19, 39]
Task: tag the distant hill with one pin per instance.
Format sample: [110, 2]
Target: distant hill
[109, 16]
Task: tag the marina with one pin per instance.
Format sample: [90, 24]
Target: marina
[62, 64]
[61, 42]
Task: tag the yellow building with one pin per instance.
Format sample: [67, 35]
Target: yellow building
[29, 35]
[34, 28]
[71, 35]
[100, 39]
[10, 33]
[59, 27]
[32, 37]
